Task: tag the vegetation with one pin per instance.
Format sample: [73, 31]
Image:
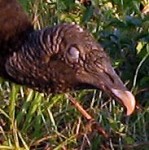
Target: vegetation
[30, 120]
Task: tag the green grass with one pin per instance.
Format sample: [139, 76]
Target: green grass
[30, 120]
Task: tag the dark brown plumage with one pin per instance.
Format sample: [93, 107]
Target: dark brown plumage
[55, 60]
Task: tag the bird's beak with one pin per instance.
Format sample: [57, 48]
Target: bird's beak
[116, 88]
[113, 85]
[107, 80]
[126, 98]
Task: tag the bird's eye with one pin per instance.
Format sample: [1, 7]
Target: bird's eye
[73, 54]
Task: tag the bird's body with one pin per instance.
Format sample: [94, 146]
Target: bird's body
[14, 27]
[56, 59]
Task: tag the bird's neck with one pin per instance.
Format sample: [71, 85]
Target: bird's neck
[14, 24]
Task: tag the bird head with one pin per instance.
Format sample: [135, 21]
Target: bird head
[84, 64]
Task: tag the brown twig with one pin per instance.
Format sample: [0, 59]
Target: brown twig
[93, 124]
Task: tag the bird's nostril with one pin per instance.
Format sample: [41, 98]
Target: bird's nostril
[110, 77]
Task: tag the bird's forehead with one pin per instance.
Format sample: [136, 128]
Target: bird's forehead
[76, 33]
[75, 36]
[83, 42]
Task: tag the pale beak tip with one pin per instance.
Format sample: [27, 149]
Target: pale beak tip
[127, 100]
[132, 104]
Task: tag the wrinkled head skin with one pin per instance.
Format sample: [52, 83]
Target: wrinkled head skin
[88, 66]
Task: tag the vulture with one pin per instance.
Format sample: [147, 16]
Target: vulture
[55, 59]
